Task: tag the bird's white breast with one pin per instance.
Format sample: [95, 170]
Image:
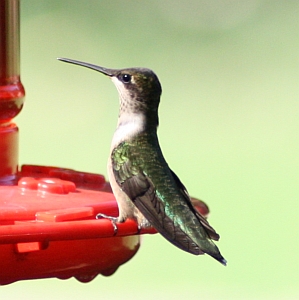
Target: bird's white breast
[129, 125]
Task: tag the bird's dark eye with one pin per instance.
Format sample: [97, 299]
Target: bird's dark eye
[125, 78]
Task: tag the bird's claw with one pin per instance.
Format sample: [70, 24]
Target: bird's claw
[112, 219]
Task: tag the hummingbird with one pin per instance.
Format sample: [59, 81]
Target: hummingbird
[145, 187]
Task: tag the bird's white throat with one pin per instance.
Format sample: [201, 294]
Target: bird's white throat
[129, 125]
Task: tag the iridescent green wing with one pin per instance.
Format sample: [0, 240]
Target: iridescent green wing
[130, 176]
[209, 229]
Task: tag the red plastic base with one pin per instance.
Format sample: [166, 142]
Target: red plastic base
[48, 227]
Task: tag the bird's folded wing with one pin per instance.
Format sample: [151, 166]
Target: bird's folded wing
[209, 229]
[140, 189]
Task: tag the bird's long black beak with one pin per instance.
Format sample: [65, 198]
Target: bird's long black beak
[108, 72]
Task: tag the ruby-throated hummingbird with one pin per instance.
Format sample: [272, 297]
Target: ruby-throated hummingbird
[144, 186]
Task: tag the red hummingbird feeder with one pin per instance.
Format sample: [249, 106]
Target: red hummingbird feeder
[47, 214]
[48, 225]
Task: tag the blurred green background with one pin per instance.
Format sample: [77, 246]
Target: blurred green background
[228, 127]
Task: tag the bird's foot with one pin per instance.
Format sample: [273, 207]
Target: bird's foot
[112, 219]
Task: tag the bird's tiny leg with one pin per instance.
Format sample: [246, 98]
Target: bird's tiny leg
[112, 219]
